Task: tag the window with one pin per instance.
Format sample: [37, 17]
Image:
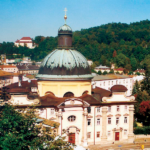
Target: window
[104, 83]
[71, 118]
[109, 120]
[109, 133]
[89, 122]
[52, 111]
[109, 108]
[89, 135]
[68, 94]
[98, 109]
[98, 134]
[98, 121]
[118, 109]
[125, 132]
[125, 119]
[117, 120]
[112, 82]
[89, 109]
[108, 82]
[125, 107]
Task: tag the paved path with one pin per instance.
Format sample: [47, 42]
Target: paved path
[121, 146]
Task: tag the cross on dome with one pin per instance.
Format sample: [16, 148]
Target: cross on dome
[65, 17]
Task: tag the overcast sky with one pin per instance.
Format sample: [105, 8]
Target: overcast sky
[19, 18]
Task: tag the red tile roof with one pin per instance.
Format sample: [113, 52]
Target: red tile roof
[7, 66]
[25, 38]
[119, 69]
[118, 88]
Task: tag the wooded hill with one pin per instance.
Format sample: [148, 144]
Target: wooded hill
[127, 45]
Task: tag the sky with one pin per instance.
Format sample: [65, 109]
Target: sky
[21, 18]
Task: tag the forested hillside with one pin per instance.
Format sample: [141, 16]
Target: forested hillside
[127, 45]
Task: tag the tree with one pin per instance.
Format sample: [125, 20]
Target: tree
[114, 53]
[105, 72]
[145, 111]
[99, 72]
[19, 131]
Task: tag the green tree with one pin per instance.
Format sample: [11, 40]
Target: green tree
[19, 131]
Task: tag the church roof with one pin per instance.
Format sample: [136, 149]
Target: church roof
[118, 88]
[64, 64]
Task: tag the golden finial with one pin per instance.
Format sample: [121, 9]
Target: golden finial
[65, 17]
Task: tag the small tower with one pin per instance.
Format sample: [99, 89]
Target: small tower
[65, 35]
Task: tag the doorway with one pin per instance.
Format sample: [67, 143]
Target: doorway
[116, 136]
[71, 138]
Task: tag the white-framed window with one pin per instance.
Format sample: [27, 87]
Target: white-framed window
[109, 133]
[125, 107]
[98, 121]
[104, 83]
[52, 111]
[98, 109]
[109, 108]
[71, 118]
[112, 82]
[117, 120]
[108, 82]
[125, 132]
[109, 120]
[89, 135]
[89, 122]
[125, 119]
[98, 134]
[118, 108]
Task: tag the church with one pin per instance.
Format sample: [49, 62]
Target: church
[87, 116]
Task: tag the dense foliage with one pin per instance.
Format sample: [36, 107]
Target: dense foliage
[19, 131]
[127, 45]
[142, 130]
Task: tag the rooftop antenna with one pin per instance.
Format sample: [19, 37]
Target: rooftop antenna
[65, 17]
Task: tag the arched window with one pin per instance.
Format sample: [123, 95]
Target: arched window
[71, 118]
[68, 94]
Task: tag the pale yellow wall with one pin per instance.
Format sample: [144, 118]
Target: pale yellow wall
[59, 88]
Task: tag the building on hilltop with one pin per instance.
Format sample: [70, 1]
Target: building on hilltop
[25, 41]
[86, 116]
[102, 69]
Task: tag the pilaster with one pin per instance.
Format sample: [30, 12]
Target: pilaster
[131, 119]
[104, 124]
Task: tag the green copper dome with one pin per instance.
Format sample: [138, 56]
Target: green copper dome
[64, 65]
[65, 27]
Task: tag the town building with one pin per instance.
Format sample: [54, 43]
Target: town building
[25, 41]
[63, 94]
[119, 70]
[90, 62]
[7, 78]
[107, 81]
[139, 71]
[102, 69]
[9, 68]
[27, 69]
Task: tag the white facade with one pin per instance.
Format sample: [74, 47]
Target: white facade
[98, 126]
[107, 83]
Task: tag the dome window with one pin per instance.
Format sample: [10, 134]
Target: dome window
[71, 118]
[68, 94]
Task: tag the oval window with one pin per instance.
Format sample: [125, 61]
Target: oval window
[71, 118]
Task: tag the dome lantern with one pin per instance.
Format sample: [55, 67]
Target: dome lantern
[65, 35]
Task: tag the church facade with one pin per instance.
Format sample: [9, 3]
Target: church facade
[65, 95]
